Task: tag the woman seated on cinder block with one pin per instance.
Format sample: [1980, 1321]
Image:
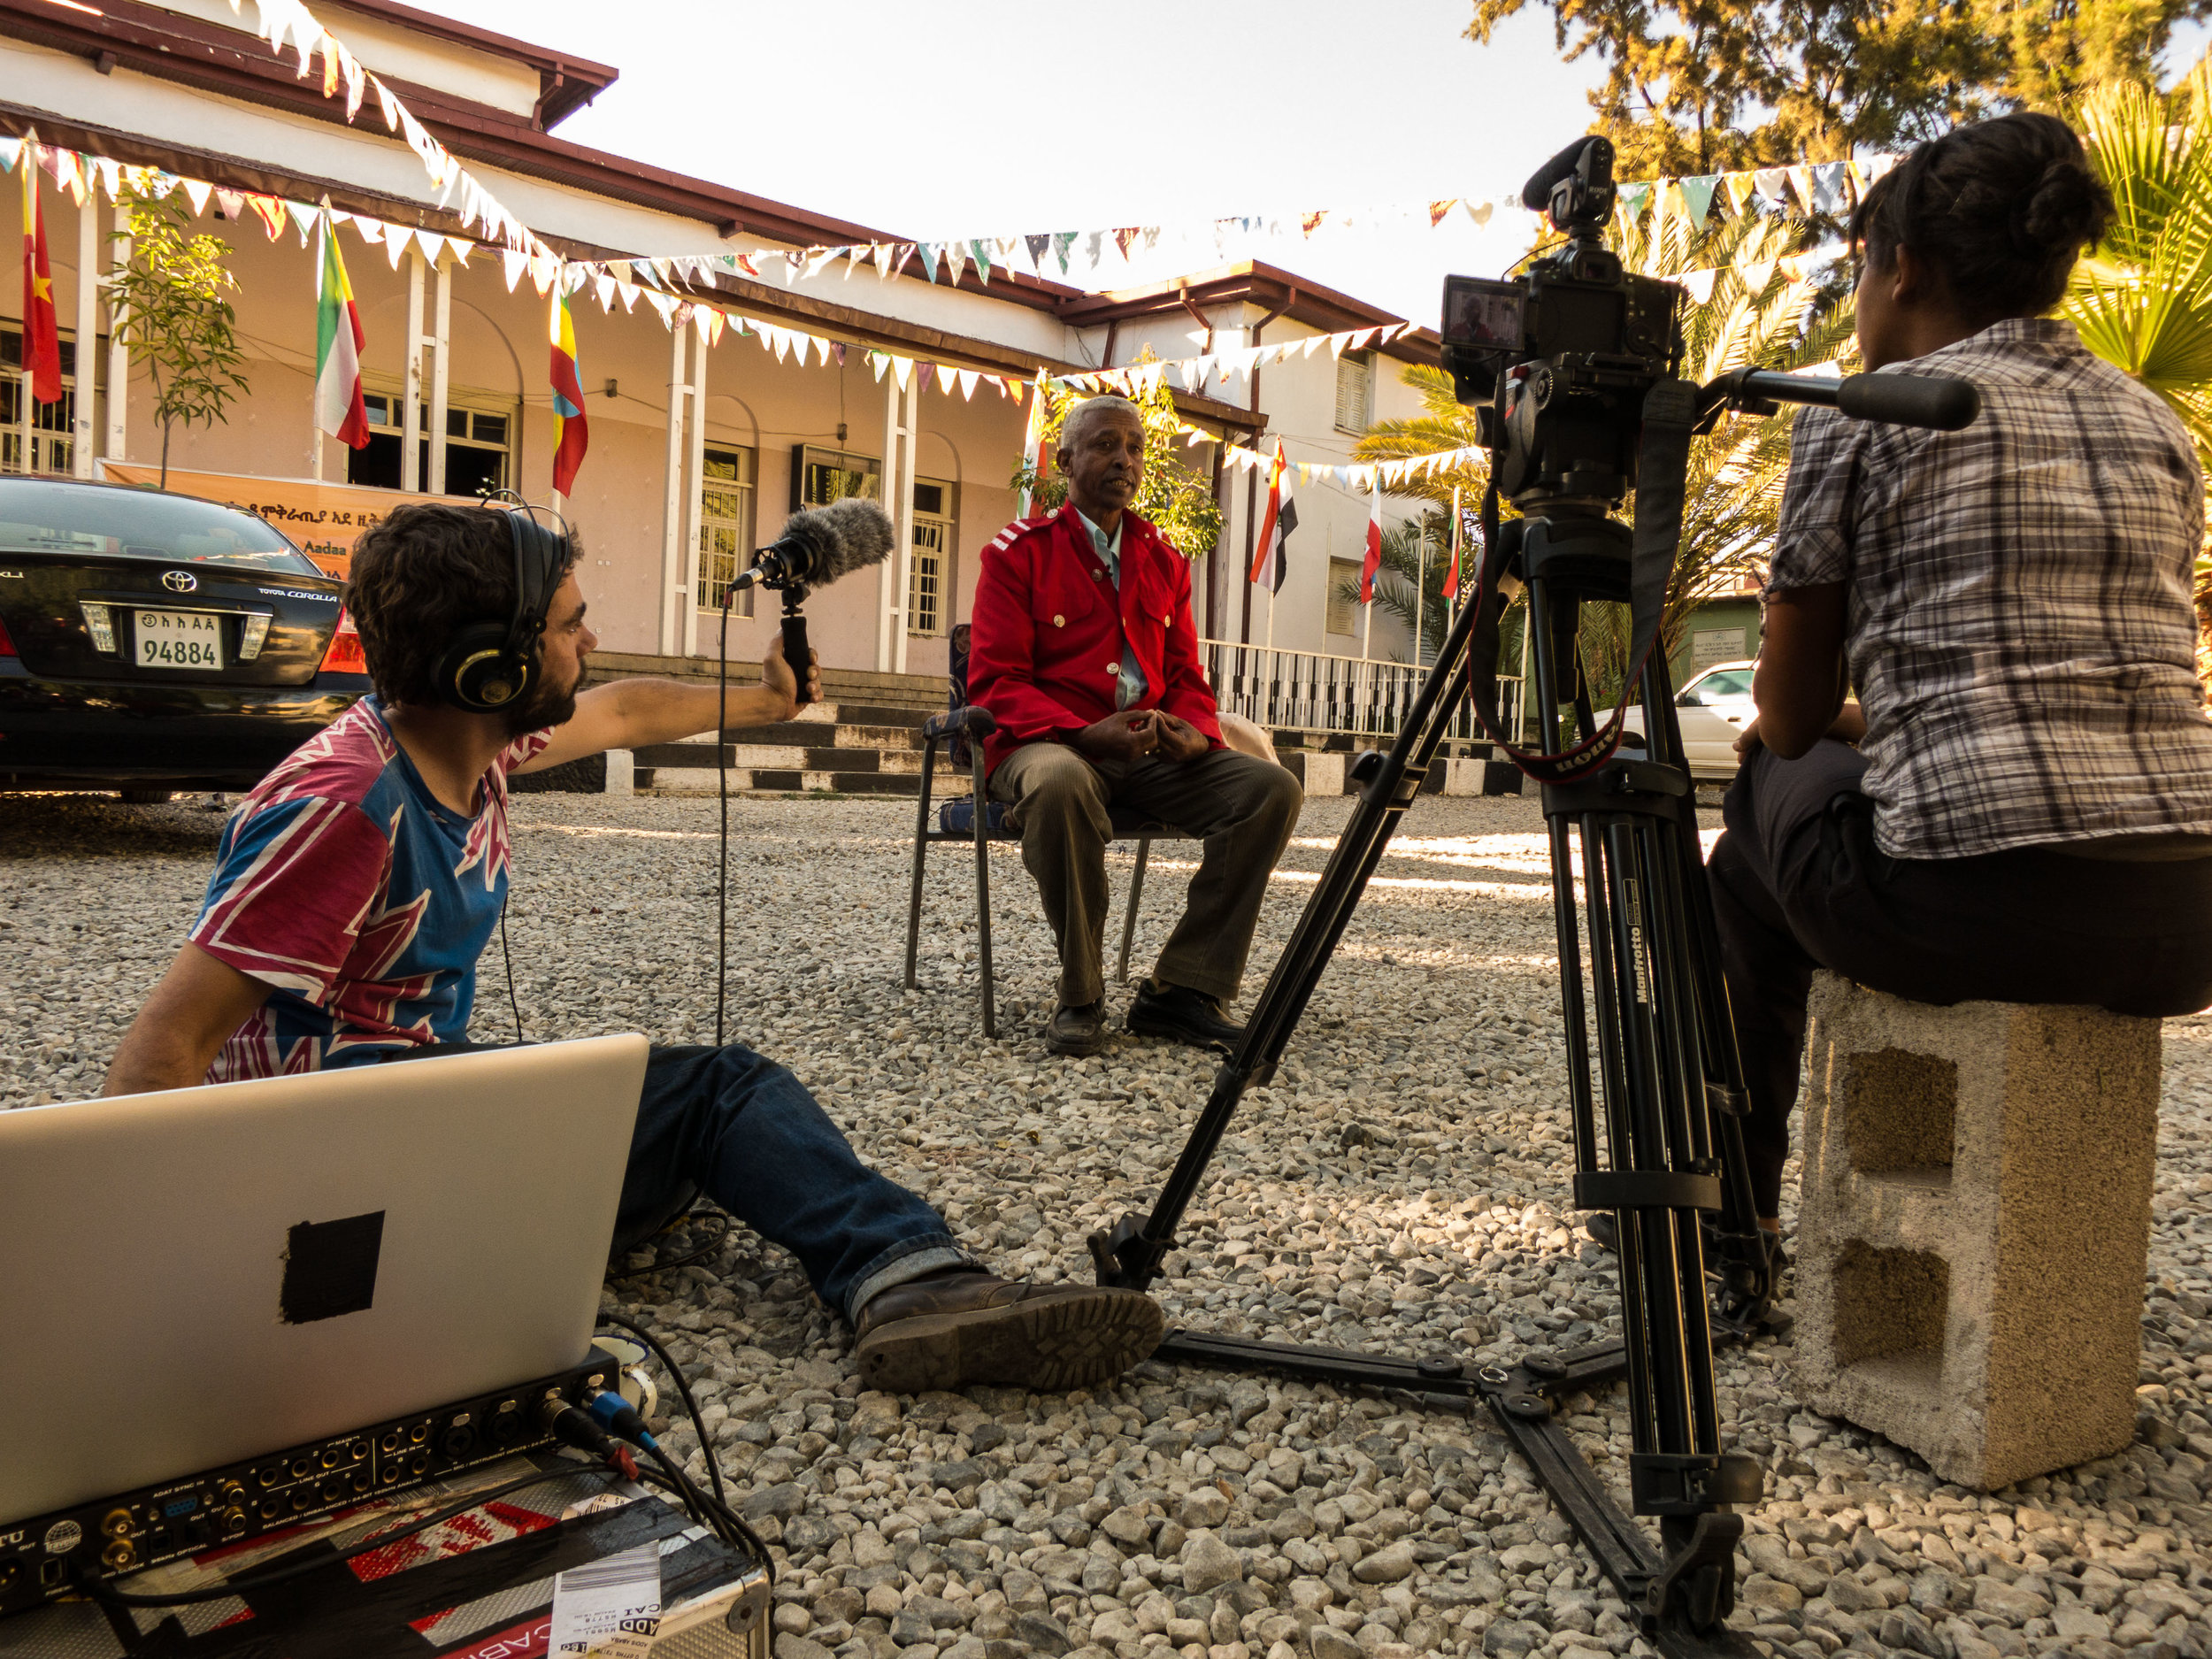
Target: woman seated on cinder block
[2019, 805]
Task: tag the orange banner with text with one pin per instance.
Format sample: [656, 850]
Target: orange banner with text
[323, 519]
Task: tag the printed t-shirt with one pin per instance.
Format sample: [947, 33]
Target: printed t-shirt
[343, 884]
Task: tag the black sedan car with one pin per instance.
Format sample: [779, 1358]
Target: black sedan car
[151, 643]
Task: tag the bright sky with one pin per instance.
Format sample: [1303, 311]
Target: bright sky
[1005, 117]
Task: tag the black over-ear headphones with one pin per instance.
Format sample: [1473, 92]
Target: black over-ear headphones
[490, 665]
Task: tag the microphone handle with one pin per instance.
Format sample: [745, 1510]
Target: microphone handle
[795, 653]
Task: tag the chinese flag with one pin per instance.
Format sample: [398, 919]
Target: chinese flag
[41, 346]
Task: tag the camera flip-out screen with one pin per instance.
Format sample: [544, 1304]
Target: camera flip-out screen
[1485, 315]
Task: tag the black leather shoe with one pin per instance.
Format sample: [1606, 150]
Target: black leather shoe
[1077, 1028]
[951, 1329]
[1184, 1015]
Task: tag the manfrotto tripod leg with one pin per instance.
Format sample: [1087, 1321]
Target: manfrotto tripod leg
[1132, 1254]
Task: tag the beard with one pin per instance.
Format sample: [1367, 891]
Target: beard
[547, 704]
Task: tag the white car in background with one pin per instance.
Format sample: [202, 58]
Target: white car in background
[1712, 711]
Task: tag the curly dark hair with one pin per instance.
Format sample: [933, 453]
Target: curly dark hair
[420, 576]
[2001, 208]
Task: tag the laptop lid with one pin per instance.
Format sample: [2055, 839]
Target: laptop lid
[201, 1276]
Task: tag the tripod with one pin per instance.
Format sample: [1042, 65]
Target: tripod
[1657, 1102]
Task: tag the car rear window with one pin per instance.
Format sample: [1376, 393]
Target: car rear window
[36, 517]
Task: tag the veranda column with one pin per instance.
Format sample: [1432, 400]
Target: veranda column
[86, 394]
[885, 572]
[672, 498]
[440, 379]
[119, 386]
[410, 417]
[694, 493]
[902, 525]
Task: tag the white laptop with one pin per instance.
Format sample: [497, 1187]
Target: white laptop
[198, 1277]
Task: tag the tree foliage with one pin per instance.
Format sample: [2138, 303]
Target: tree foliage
[1706, 86]
[1176, 500]
[176, 315]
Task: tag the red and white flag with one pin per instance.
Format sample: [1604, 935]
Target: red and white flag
[1373, 562]
[1451, 570]
[1269, 560]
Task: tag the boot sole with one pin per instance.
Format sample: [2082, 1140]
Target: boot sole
[1049, 1347]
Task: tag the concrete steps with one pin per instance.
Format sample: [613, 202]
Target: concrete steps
[845, 748]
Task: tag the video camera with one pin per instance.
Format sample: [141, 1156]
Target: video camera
[1559, 360]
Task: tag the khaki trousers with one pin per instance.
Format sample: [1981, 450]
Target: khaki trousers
[1243, 809]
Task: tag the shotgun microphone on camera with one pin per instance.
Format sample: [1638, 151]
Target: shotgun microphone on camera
[821, 544]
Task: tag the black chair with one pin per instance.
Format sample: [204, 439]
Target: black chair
[978, 821]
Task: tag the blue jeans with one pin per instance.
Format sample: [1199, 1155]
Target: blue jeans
[740, 1128]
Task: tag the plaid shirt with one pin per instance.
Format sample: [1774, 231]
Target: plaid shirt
[2019, 628]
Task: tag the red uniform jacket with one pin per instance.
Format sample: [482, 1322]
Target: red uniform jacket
[1045, 652]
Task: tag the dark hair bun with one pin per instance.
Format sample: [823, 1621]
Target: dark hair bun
[2002, 208]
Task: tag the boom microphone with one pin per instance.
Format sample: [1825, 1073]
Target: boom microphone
[823, 543]
[817, 547]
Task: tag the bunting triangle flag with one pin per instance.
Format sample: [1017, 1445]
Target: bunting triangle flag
[1739, 188]
[1634, 199]
[1479, 211]
[968, 378]
[231, 203]
[883, 252]
[1123, 237]
[1802, 183]
[956, 262]
[197, 191]
[271, 211]
[513, 264]
[1697, 196]
[982, 263]
[1062, 241]
[1039, 247]
[1828, 183]
[1311, 222]
[1438, 210]
[1773, 184]
[929, 251]
[397, 239]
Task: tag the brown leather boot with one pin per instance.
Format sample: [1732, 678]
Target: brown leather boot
[947, 1330]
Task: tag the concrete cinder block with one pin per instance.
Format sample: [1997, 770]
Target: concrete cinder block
[1974, 1227]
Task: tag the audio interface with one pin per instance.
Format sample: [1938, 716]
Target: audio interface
[44, 1558]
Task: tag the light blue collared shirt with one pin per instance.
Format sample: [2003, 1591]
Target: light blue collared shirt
[1130, 689]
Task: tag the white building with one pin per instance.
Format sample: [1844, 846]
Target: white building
[665, 503]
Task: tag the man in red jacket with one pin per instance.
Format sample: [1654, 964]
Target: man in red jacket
[1084, 651]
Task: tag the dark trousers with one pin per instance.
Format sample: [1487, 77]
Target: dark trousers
[1243, 807]
[1799, 883]
[743, 1129]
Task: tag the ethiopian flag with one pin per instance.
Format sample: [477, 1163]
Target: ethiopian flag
[572, 433]
[42, 344]
[338, 342]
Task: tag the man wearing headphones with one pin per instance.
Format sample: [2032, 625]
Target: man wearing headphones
[356, 885]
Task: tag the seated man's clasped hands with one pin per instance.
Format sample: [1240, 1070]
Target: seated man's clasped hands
[358, 884]
[1085, 653]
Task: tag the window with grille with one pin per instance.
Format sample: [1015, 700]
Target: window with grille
[52, 446]
[929, 577]
[1355, 391]
[1343, 596]
[479, 432]
[726, 525]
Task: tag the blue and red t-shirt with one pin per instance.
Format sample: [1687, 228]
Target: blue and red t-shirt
[342, 883]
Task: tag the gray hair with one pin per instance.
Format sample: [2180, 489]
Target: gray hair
[1089, 410]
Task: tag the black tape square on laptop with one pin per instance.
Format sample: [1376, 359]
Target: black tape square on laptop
[330, 1268]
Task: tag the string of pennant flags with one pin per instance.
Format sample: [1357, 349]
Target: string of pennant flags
[1826, 187]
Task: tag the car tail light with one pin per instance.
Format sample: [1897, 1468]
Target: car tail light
[344, 656]
[7, 645]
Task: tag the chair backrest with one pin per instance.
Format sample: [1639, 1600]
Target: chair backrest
[956, 699]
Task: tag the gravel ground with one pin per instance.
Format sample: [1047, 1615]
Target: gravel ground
[1399, 1187]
